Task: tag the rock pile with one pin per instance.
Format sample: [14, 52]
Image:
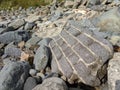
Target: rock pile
[72, 45]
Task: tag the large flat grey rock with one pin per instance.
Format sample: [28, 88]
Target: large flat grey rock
[77, 52]
[14, 36]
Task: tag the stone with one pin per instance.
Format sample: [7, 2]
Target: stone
[32, 42]
[12, 50]
[7, 61]
[44, 41]
[13, 75]
[114, 72]
[69, 3]
[41, 58]
[78, 53]
[30, 83]
[17, 23]
[114, 39]
[2, 30]
[21, 44]
[53, 83]
[56, 15]
[51, 75]
[94, 2]
[14, 36]
[32, 72]
[109, 21]
[32, 18]
[29, 26]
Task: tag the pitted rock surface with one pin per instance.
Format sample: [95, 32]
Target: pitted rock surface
[78, 53]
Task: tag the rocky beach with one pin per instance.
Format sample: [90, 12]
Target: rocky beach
[67, 45]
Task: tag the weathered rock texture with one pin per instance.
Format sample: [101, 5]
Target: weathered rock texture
[13, 75]
[53, 83]
[41, 58]
[78, 53]
[114, 72]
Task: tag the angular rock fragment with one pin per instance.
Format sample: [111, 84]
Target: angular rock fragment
[78, 53]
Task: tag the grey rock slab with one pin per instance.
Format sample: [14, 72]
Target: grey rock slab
[17, 23]
[29, 26]
[41, 58]
[30, 83]
[109, 21]
[12, 50]
[14, 36]
[53, 83]
[45, 41]
[13, 75]
[32, 41]
[77, 52]
[114, 72]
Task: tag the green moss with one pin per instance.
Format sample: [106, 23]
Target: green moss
[7, 4]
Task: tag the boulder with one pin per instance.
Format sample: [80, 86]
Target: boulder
[13, 75]
[41, 58]
[14, 36]
[17, 23]
[12, 50]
